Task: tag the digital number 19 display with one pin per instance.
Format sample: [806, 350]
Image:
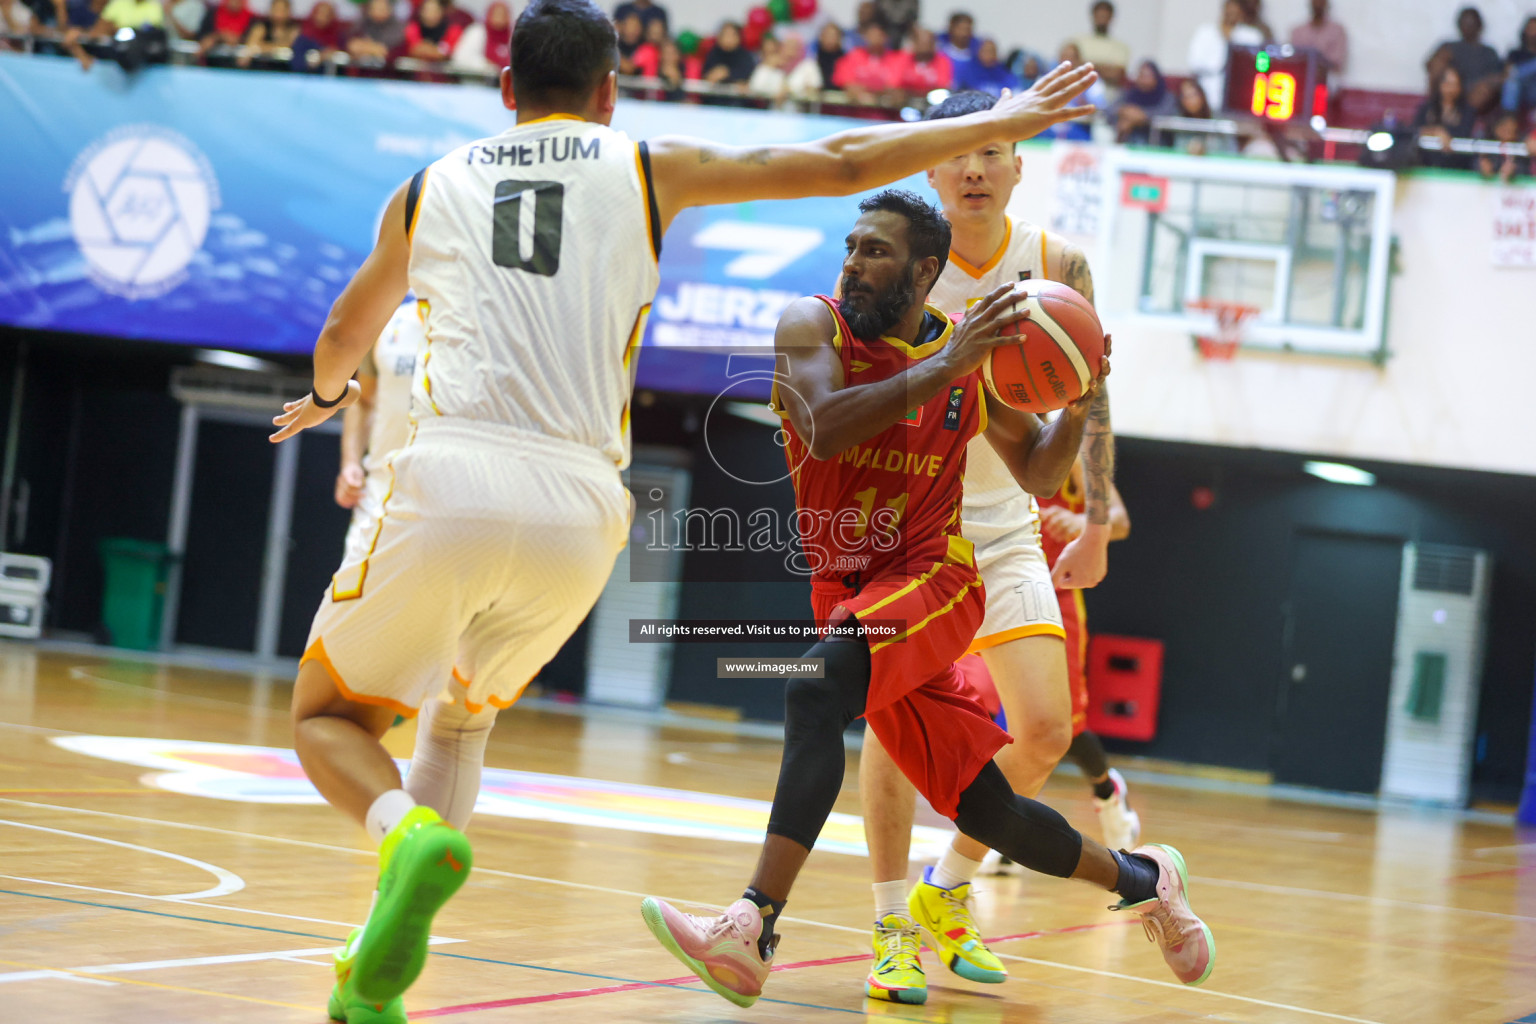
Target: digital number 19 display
[1274, 83]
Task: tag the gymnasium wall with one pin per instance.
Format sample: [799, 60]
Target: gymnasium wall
[1420, 407]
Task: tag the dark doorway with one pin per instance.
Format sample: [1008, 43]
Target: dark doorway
[226, 536]
[1340, 623]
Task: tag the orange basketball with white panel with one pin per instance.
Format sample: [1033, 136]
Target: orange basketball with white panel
[1057, 354]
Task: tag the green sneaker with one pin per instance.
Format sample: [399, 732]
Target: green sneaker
[346, 1007]
[422, 863]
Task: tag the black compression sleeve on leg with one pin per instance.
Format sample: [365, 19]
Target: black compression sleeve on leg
[816, 711]
[1023, 830]
[1087, 752]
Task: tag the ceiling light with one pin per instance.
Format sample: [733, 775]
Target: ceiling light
[1337, 472]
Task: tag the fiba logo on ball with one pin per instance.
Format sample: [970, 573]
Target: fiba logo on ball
[139, 204]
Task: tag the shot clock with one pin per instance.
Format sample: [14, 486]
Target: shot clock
[1278, 84]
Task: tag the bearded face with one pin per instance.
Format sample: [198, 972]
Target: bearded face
[872, 312]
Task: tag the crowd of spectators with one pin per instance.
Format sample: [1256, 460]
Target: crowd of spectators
[887, 59]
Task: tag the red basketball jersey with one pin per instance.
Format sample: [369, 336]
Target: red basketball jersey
[869, 508]
[1071, 498]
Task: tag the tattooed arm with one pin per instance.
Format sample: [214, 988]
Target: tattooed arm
[1085, 561]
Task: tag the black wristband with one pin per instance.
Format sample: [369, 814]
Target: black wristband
[314, 396]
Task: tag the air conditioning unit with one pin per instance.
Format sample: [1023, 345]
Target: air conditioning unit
[1442, 614]
[23, 594]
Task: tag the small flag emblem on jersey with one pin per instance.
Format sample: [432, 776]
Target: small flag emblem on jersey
[914, 418]
[952, 414]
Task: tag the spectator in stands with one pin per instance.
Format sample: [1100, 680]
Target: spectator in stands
[728, 62]
[1026, 66]
[454, 15]
[1327, 37]
[1079, 130]
[672, 70]
[185, 17]
[379, 35]
[829, 50]
[648, 12]
[1195, 105]
[145, 19]
[929, 69]
[636, 56]
[865, 15]
[486, 46]
[1208, 47]
[1253, 17]
[898, 16]
[987, 73]
[1506, 128]
[269, 36]
[1110, 56]
[224, 25]
[784, 72]
[321, 36]
[1478, 65]
[872, 73]
[960, 44]
[1146, 96]
[1520, 84]
[1447, 115]
[428, 35]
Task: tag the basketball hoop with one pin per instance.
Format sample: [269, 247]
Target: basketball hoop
[1230, 320]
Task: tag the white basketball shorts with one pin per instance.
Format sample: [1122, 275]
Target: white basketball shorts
[1020, 599]
[492, 545]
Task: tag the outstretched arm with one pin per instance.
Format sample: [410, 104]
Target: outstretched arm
[357, 318]
[834, 417]
[693, 172]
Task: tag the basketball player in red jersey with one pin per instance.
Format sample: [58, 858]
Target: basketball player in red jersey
[880, 399]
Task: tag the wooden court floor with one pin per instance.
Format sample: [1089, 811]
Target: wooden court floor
[149, 874]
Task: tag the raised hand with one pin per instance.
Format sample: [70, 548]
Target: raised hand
[980, 331]
[1046, 102]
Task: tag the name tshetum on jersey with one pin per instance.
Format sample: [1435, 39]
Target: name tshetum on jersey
[558, 149]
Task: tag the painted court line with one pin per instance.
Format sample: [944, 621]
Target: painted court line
[90, 976]
[228, 881]
[158, 965]
[1289, 890]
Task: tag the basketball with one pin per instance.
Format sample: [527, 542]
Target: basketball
[1057, 353]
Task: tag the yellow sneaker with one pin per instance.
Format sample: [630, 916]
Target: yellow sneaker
[898, 973]
[945, 915]
[422, 862]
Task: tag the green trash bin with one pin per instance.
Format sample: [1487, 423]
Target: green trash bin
[133, 591]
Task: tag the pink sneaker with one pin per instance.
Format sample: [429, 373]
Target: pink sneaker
[722, 950]
[1187, 944]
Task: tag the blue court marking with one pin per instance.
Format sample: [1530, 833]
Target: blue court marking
[178, 917]
[455, 956]
[1529, 1018]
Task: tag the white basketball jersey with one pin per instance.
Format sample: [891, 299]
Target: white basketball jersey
[394, 360]
[1021, 258]
[533, 254]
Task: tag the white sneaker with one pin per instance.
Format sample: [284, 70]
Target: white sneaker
[1120, 825]
[995, 863]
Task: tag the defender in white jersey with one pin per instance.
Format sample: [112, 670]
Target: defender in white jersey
[1022, 638]
[533, 254]
[377, 424]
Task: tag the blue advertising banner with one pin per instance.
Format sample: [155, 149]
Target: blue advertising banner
[228, 208]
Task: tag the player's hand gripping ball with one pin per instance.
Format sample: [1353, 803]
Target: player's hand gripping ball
[1059, 348]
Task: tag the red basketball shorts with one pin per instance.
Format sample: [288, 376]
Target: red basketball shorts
[922, 616]
[1074, 618]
